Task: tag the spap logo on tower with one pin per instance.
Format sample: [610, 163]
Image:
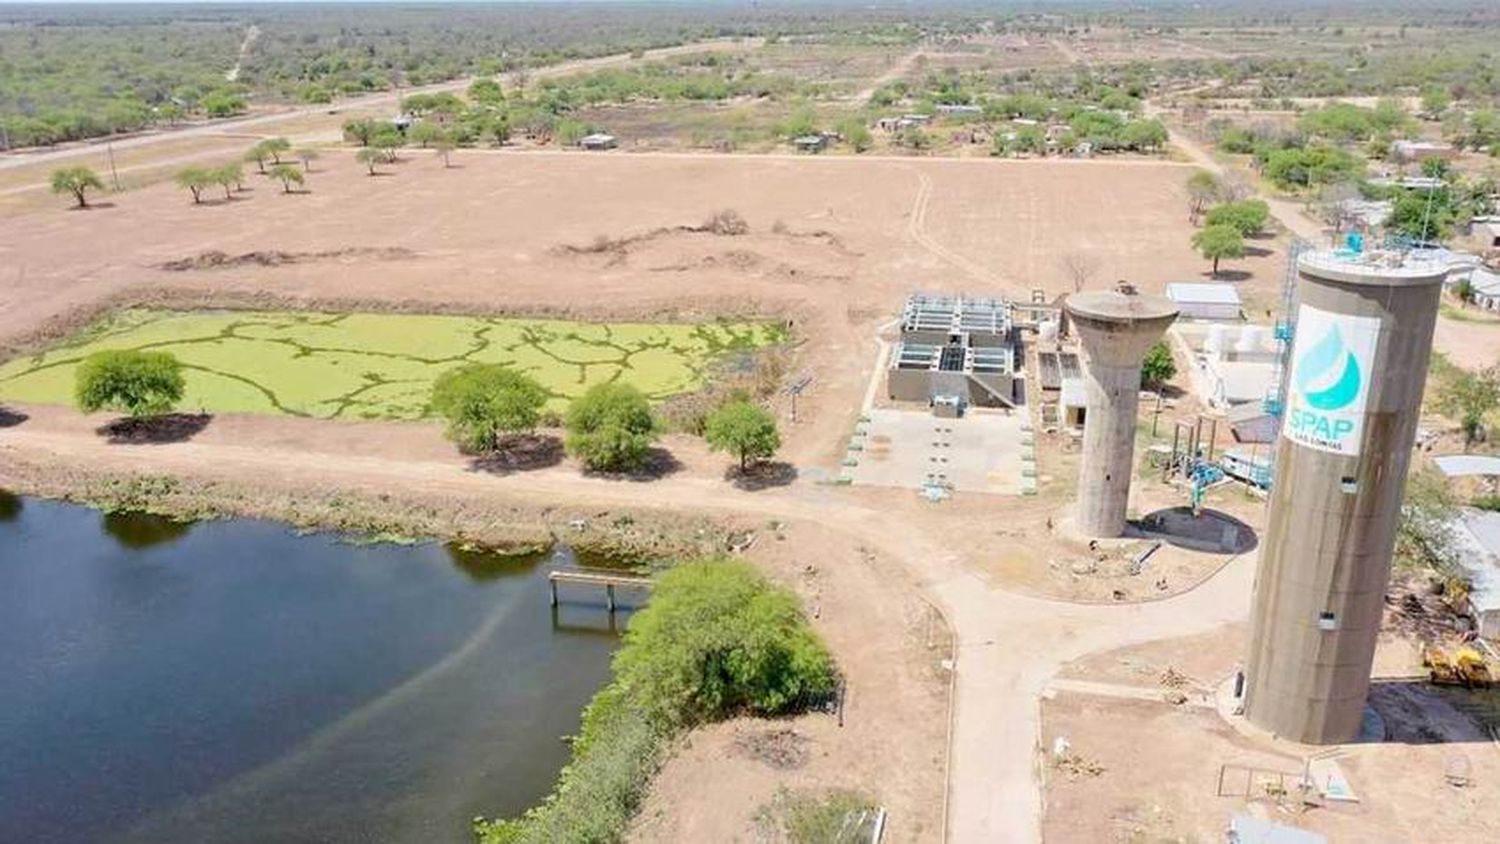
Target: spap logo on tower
[1329, 383]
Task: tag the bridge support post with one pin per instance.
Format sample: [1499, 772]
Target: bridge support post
[553, 584]
[609, 596]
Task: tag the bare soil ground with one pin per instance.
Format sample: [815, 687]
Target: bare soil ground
[1170, 792]
[891, 646]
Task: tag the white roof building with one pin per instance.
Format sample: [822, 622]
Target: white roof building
[1206, 300]
[1479, 530]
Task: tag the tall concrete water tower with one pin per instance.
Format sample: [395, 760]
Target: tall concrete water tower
[1353, 394]
[1117, 327]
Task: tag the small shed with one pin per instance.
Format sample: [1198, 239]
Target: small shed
[1206, 300]
[1072, 402]
[598, 141]
[1489, 233]
[810, 143]
[1480, 531]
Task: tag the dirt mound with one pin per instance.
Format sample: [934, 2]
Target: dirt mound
[213, 259]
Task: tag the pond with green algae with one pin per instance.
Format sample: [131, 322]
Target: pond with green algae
[382, 366]
[232, 681]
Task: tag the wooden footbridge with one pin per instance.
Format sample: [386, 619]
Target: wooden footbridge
[597, 577]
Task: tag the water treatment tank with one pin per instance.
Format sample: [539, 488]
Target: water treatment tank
[1218, 336]
[1251, 339]
[1359, 359]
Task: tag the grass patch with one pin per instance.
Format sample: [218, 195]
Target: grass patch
[833, 817]
[382, 366]
[715, 640]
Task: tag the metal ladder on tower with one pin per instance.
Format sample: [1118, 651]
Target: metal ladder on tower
[1283, 331]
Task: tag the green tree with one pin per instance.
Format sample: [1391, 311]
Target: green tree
[360, 130]
[424, 134]
[1144, 135]
[1463, 291]
[258, 154]
[486, 92]
[1469, 397]
[288, 175]
[1203, 189]
[230, 177]
[276, 147]
[485, 402]
[1435, 101]
[370, 157]
[138, 383]
[307, 156]
[1422, 215]
[611, 428]
[195, 179]
[856, 134]
[1248, 216]
[77, 181]
[499, 129]
[743, 429]
[1159, 366]
[1218, 242]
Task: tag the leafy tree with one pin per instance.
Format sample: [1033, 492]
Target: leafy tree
[195, 179]
[288, 175]
[276, 147]
[912, 137]
[77, 181]
[1469, 397]
[230, 177]
[1463, 291]
[1203, 189]
[360, 130]
[610, 428]
[424, 134]
[485, 402]
[388, 140]
[745, 429]
[1309, 167]
[138, 383]
[1422, 215]
[223, 105]
[499, 129]
[1248, 216]
[856, 134]
[370, 157]
[258, 154]
[1424, 534]
[1144, 135]
[1159, 366]
[486, 92]
[307, 156]
[1218, 242]
[1436, 168]
[1435, 101]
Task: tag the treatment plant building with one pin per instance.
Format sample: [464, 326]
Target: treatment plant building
[955, 349]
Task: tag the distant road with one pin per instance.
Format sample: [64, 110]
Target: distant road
[389, 99]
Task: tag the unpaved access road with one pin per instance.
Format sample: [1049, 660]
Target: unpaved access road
[1009, 646]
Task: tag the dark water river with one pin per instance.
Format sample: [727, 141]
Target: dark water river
[231, 681]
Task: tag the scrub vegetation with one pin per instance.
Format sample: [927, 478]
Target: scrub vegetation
[716, 640]
[384, 366]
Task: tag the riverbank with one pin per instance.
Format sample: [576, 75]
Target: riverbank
[638, 537]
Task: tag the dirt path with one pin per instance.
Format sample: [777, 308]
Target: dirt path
[1288, 213]
[902, 67]
[1009, 645]
[252, 33]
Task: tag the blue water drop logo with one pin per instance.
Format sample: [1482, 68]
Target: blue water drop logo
[1316, 378]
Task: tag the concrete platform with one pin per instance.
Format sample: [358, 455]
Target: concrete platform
[981, 451]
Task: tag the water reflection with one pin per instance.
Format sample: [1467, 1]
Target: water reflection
[10, 506]
[136, 530]
[483, 565]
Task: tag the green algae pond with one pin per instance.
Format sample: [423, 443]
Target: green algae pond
[232, 681]
[381, 366]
